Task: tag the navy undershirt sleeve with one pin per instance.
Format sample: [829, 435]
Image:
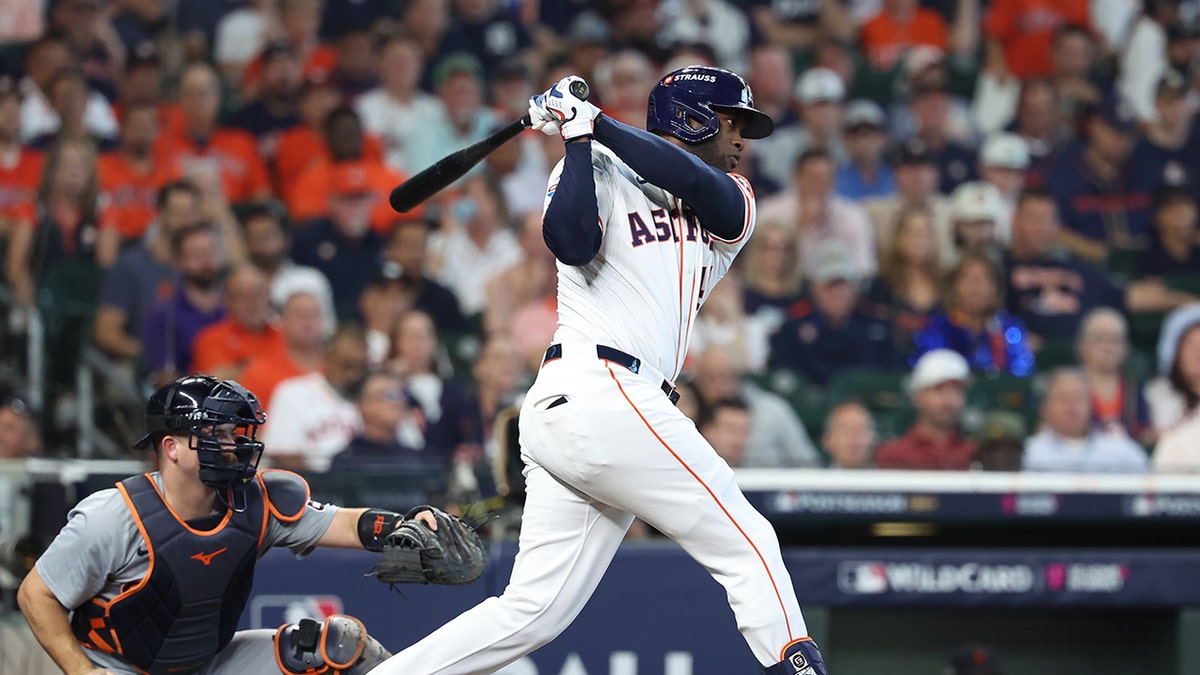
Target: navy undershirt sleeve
[716, 199]
[571, 224]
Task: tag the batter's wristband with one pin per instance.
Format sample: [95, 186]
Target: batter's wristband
[374, 525]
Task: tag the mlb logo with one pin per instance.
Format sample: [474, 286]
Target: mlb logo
[862, 578]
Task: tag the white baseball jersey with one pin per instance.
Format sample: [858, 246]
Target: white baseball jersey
[641, 292]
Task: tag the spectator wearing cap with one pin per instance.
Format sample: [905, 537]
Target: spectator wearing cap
[207, 152]
[975, 208]
[827, 331]
[1001, 438]
[1117, 400]
[1169, 150]
[304, 329]
[381, 305]
[19, 434]
[197, 301]
[1104, 205]
[1041, 123]
[777, 438]
[850, 436]
[356, 71]
[241, 36]
[915, 172]
[463, 117]
[938, 388]
[300, 22]
[938, 119]
[44, 59]
[143, 274]
[396, 111]
[387, 415]
[1143, 60]
[474, 244]
[582, 32]
[817, 214]
[1173, 250]
[408, 247]
[490, 31]
[974, 323]
[341, 243]
[224, 349]
[1020, 35]
[1069, 442]
[864, 174]
[1003, 164]
[909, 286]
[348, 163]
[819, 92]
[311, 417]
[130, 178]
[142, 82]
[272, 107]
[21, 168]
[899, 26]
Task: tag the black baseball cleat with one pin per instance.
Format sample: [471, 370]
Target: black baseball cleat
[799, 658]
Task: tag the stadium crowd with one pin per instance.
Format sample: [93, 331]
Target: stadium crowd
[977, 239]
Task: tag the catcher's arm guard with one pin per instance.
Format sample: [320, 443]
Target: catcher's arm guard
[414, 554]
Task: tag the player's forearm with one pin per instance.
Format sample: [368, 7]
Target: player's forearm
[48, 620]
[571, 226]
[343, 530]
[716, 199]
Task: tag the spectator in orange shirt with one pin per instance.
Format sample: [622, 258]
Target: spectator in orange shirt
[20, 166]
[225, 348]
[203, 147]
[303, 145]
[274, 111]
[1020, 34]
[900, 25]
[301, 20]
[142, 82]
[303, 326]
[309, 197]
[130, 179]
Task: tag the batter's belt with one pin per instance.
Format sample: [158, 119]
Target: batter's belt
[633, 363]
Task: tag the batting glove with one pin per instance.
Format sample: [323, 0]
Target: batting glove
[576, 116]
[540, 117]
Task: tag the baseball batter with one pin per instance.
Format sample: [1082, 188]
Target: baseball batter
[643, 226]
[152, 576]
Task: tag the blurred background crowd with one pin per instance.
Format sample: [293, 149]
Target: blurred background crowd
[977, 240]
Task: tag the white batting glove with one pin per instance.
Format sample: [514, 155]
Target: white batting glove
[576, 116]
[540, 117]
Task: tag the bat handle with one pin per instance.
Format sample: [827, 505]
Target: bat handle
[579, 89]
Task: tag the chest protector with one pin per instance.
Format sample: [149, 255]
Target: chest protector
[185, 609]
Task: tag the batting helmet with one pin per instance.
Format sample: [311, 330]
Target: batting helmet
[221, 420]
[700, 92]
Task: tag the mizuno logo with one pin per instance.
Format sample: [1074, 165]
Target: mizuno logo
[206, 558]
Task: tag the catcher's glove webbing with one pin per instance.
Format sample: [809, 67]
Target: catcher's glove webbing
[415, 554]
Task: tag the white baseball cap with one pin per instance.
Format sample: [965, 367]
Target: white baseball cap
[938, 366]
[833, 260]
[1006, 151]
[976, 200]
[863, 112]
[818, 85]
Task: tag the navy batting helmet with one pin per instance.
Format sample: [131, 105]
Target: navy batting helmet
[699, 93]
[221, 420]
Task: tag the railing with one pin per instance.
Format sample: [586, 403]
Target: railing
[90, 442]
[35, 350]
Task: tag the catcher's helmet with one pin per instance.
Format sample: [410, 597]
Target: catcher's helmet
[221, 420]
[699, 92]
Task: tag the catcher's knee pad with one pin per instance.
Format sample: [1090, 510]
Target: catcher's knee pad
[801, 657]
[338, 645]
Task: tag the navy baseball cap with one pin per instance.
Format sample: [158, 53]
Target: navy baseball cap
[913, 151]
[1116, 113]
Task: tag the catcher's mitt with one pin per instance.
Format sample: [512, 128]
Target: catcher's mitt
[414, 554]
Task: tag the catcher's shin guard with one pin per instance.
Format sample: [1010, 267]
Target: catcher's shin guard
[801, 657]
[337, 646]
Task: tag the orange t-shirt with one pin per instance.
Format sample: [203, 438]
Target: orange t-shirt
[20, 177]
[129, 195]
[301, 147]
[310, 193]
[226, 343]
[233, 153]
[884, 40]
[265, 371]
[322, 61]
[1025, 29]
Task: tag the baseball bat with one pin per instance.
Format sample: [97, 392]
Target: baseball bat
[452, 167]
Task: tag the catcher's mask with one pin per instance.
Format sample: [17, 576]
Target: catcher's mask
[221, 419]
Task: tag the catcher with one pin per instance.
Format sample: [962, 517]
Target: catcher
[152, 576]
